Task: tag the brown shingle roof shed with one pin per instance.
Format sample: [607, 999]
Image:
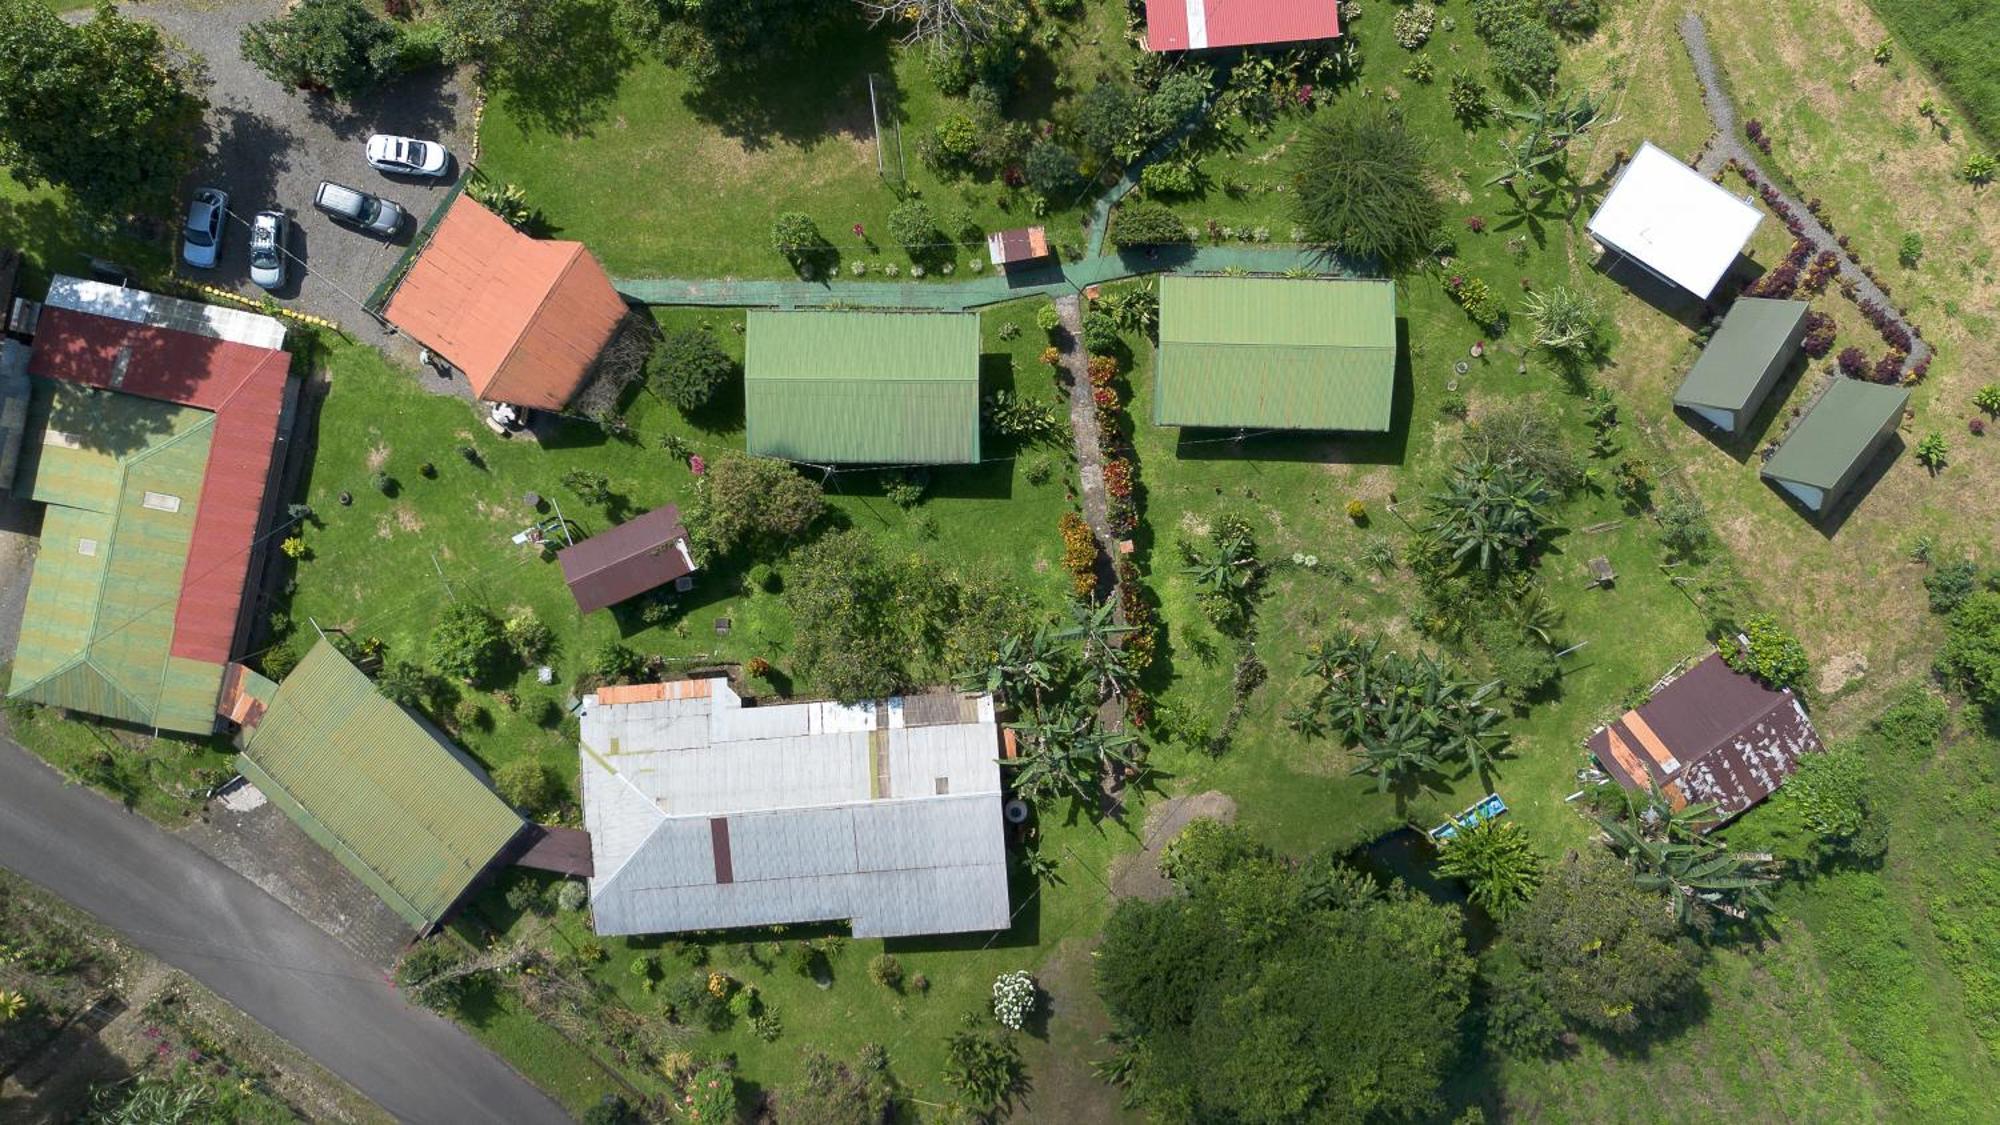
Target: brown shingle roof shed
[1017, 247]
[1713, 735]
[636, 556]
[524, 318]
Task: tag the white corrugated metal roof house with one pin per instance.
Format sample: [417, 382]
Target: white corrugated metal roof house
[1671, 220]
[705, 813]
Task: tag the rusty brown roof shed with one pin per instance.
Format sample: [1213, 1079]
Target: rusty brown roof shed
[1713, 735]
[636, 556]
[1017, 247]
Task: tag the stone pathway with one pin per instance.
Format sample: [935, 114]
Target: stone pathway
[1083, 425]
[1728, 144]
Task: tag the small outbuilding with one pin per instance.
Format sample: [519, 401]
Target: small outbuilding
[1743, 361]
[524, 318]
[1673, 222]
[1826, 452]
[1711, 736]
[638, 555]
[850, 387]
[394, 802]
[1195, 25]
[1276, 353]
[1018, 249]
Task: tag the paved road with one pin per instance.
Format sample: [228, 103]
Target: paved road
[204, 919]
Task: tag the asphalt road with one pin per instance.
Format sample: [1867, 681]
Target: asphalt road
[193, 913]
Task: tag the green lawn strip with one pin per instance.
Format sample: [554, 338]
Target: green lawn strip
[1958, 42]
[54, 236]
[166, 778]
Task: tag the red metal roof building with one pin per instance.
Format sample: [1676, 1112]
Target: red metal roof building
[1194, 25]
[641, 554]
[524, 318]
[224, 361]
[1712, 736]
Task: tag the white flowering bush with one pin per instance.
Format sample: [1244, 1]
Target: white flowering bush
[858, 268]
[1013, 998]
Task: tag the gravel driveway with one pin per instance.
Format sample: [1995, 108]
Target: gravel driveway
[269, 147]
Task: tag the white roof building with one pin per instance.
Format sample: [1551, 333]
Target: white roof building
[1671, 220]
[705, 813]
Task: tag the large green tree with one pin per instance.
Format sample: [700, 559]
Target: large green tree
[1972, 647]
[1363, 185]
[491, 30]
[850, 619]
[340, 46]
[102, 108]
[1266, 993]
[751, 503]
[1603, 952]
[711, 39]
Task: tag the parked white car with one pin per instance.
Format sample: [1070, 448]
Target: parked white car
[267, 248]
[402, 156]
[201, 236]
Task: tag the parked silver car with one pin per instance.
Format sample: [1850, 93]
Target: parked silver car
[201, 235]
[268, 240]
[402, 156]
[358, 208]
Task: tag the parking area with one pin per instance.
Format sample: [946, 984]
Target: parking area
[269, 147]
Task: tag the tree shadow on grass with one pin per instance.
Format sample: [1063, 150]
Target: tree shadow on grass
[799, 100]
[568, 86]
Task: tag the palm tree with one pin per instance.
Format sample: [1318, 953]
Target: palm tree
[1500, 868]
[1696, 873]
[1398, 750]
[1099, 640]
[1026, 664]
[1068, 754]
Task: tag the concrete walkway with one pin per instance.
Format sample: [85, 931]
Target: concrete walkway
[1729, 144]
[195, 914]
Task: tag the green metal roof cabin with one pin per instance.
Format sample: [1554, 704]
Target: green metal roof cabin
[1828, 449]
[121, 478]
[395, 804]
[1743, 361]
[1276, 353]
[885, 388]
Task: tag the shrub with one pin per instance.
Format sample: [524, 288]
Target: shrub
[797, 237]
[589, 487]
[1357, 511]
[1413, 26]
[1980, 168]
[1079, 553]
[1100, 333]
[1772, 655]
[1988, 399]
[1171, 177]
[278, 661]
[914, 228]
[689, 368]
[572, 896]
[1684, 530]
[1363, 185]
[528, 636]
[1470, 102]
[1853, 362]
[1574, 17]
[293, 546]
[508, 201]
[1148, 224]
[1566, 321]
[1048, 318]
[754, 503]
[906, 489]
[467, 643]
[1972, 647]
[1014, 997]
[612, 662]
[1910, 250]
[382, 482]
[1419, 69]
[1497, 863]
[432, 973]
[1051, 169]
[1819, 333]
[984, 1069]
[1107, 118]
[711, 1095]
[1525, 57]
[530, 786]
[1605, 953]
[1933, 451]
[1475, 297]
[404, 683]
[886, 971]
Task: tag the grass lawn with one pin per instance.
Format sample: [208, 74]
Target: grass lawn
[1958, 41]
[662, 182]
[167, 777]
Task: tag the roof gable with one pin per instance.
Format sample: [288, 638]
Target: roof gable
[524, 318]
[863, 387]
[392, 801]
[1282, 353]
[1839, 431]
[638, 555]
[1179, 25]
[1732, 366]
[1675, 221]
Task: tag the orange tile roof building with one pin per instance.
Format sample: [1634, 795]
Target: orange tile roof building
[524, 318]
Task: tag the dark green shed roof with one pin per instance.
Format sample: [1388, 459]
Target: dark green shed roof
[845, 387]
[1731, 370]
[1837, 433]
[1278, 353]
[394, 803]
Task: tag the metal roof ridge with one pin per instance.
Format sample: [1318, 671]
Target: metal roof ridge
[577, 249]
[775, 810]
[649, 803]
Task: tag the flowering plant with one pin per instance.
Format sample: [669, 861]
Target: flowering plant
[1013, 998]
[710, 1096]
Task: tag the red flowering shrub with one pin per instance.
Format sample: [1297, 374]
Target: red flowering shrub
[1823, 268]
[1818, 340]
[1889, 369]
[1977, 426]
[1103, 369]
[1475, 224]
[1118, 477]
[1754, 129]
[1853, 362]
[1105, 397]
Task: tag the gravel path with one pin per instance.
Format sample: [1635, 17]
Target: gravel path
[1083, 425]
[269, 147]
[1728, 144]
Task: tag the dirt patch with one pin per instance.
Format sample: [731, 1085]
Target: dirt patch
[378, 457]
[407, 519]
[1841, 671]
[1194, 525]
[1138, 876]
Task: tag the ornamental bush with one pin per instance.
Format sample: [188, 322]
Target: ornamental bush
[1972, 647]
[467, 643]
[914, 228]
[529, 786]
[1051, 169]
[689, 368]
[1363, 185]
[1148, 224]
[1014, 997]
[1772, 655]
[1525, 57]
[1413, 25]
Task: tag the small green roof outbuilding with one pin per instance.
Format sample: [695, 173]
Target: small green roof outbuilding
[397, 805]
[1743, 361]
[850, 387]
[1828, 449]
[1276, 353]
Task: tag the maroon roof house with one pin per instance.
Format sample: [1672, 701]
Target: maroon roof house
[641, 554]
[1018, 248]
[1712, 736]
